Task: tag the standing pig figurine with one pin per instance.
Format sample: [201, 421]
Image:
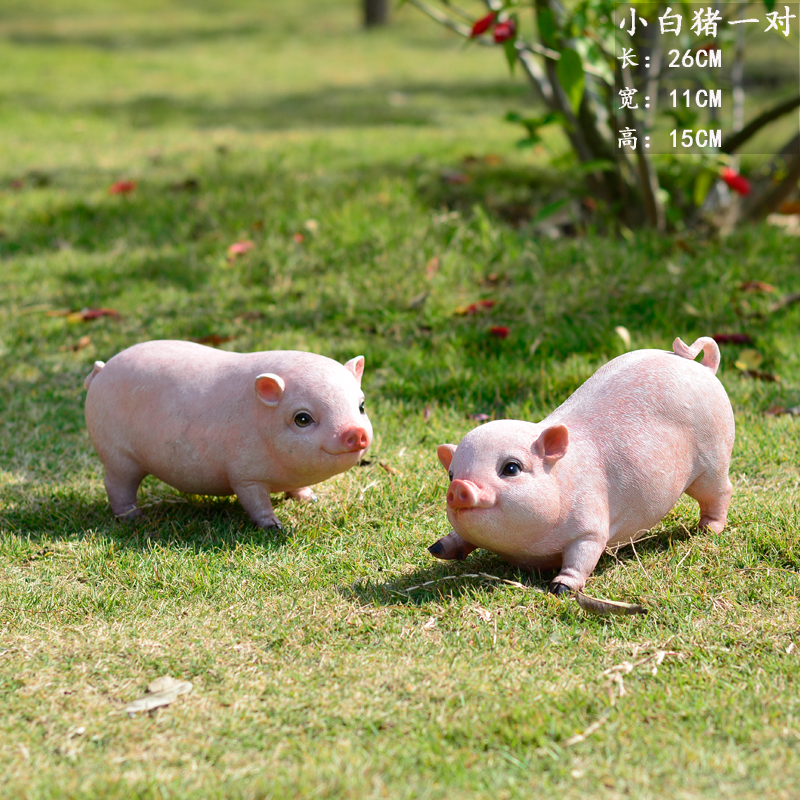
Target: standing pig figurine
[207, 421]
[602, 469]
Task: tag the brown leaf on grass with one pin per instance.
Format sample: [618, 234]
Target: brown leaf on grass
[492, 279]
[682, 244]
[418, 301]
[732, 338]
[214, 340]
[480, 417]
[84, 315]
[427, 413]
[778, 411]
[786, 300]
[455, 178]
[769, 377]
[595, 605]
[756, 286]
[391, 470]
[474, 308]
[160, 692]
[83, 342]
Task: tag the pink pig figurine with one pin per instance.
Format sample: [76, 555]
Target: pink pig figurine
[207, 421]
[601, 470]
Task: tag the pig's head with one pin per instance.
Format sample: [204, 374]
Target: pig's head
[313, 417]
[504, 493]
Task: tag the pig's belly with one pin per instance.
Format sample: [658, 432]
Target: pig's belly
[186, 467]
[637, 516]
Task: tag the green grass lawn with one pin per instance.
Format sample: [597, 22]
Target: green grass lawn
[319, 669]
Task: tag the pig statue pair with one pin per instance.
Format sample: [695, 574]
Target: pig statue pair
[602, 469]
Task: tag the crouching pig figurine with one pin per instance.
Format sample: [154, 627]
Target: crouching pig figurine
[207, 421]
[602, 469]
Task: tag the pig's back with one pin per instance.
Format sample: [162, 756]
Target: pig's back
[655, 421]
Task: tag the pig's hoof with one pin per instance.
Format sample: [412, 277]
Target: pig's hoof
[436, 549]
[559, 589]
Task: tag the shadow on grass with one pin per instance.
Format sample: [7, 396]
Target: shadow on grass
[160, 37]
[201, 524]
[449, 579]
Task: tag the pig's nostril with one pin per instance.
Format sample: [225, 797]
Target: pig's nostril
[356, 439]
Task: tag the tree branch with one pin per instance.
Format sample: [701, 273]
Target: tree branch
[737, 139]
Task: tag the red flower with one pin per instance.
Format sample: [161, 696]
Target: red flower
[483, 24]
[505, 31]
[122, 187]
[739, 184]
[500, 331]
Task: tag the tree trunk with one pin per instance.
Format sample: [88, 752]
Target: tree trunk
[376, 12]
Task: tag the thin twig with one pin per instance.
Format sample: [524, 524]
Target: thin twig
[580, 737]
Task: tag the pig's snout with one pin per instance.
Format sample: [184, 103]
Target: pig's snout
[354, 439]
[465, 494]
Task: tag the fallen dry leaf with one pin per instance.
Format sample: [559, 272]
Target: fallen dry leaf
[624, 334]
[456, 178]
[597, 606]
[426, 414]
[391, 470]
[749, 359]
[240, 248]
[160, 692]
[213, 340]
[757, 286]
[83, 342]
[480, 417]
[732, 338]
[777, 411]
[769, 377]
[474, 308]
[122, 187]
[84, 315]
[418, 301]
[432, 267]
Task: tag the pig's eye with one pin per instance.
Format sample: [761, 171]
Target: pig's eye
[361, 408]
[450, 475]
[511, 469]
[303, 419]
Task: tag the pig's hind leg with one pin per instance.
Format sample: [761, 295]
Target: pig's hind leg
[122, 480]
[713, 494]
[304, 495]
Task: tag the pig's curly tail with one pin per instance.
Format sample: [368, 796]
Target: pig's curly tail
[98, 365]
[706, 344]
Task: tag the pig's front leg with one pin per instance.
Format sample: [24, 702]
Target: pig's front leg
[304, 495]
[451, 548]
[256, 501]
[579, 559]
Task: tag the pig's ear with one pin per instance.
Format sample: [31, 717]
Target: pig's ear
[553, 443]
[356, 366]
[446, 453]
[269, 388]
